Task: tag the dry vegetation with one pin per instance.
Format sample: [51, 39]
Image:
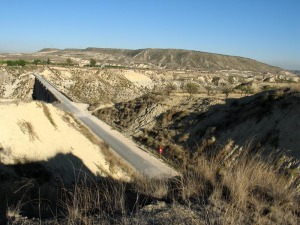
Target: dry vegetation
[186, 126]
[220, 184]
[27, 128]
[213, 189]
[48, 114]
[251, 191]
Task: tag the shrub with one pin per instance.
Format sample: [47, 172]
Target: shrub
[16, 62]
[192, 88]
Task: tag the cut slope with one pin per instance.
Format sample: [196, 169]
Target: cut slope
[35, 131]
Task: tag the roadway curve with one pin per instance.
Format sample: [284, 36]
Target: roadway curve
[140, 160]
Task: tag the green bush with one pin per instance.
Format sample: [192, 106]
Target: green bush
[16, 62]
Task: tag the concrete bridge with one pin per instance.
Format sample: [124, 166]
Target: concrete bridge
[141, 161]
[40, 92]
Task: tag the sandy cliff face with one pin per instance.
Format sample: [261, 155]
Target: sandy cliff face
[39, 132]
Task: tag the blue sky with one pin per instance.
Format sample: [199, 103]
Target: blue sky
[265, 30]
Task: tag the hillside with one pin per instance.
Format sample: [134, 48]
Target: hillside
[169, 59]
[102, 86]
[218, 138]
[174, 59]
[266, 122]
[228, 150]
[36, 131]
[249, 191]
[44, 50]
[44, 150]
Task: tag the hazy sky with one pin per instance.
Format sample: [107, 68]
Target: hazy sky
[265, 30]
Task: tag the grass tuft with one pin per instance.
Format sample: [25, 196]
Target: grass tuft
[27, 128]
[48, 114]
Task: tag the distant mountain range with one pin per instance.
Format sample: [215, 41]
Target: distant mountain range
[161, 58]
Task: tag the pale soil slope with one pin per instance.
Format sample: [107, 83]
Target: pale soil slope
[28, 133]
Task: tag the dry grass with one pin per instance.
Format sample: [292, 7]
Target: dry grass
[113, 202]
[48, 114]
[250, 176]
[249, 191]
[13, 212]
[193, 186]
[88, 198]
[27, 128]
[155, 188]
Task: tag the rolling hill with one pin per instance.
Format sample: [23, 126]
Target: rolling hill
[163, 58]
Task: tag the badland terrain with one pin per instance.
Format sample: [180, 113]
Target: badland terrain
[229, 125]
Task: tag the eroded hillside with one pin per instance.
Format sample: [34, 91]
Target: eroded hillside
[162, 111]
[100, 86]
[210, 134]
[174, 59]
[44, 151]
[184, 126]
[35, 131]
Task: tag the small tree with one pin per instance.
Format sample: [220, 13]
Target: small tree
[192, 88]
[48, 61]
[245, 89]
[169, 88]
[37, 61]
[226, 91]
[11, 63]
[208, 89]
[93, 62]
[21, 62]
[69, 61]
[249, 90]
[216, 80]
